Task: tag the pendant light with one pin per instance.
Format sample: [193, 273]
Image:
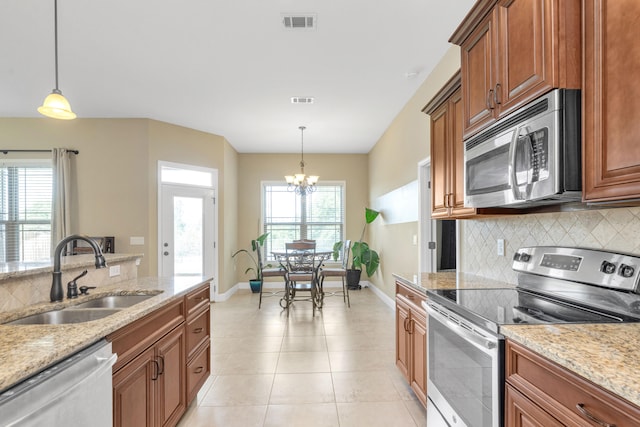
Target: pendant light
[300, 183]
[55, 105]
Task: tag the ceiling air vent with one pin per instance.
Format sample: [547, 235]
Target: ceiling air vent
[302, 100]
[299, 21]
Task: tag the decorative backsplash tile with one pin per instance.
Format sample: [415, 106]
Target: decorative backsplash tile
[616, 230]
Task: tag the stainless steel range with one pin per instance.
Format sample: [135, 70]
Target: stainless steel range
[555, 285]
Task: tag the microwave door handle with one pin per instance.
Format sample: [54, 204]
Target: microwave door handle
[530, 159]
[512, 164]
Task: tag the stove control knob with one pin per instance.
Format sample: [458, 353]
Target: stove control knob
[607, 267]
[516, 256]
[626, 270]
[525, 257]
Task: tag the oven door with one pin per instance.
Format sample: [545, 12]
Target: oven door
[465, 370]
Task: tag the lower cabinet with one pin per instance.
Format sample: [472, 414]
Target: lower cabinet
[411, 339]
[163, 361]
[542, 393]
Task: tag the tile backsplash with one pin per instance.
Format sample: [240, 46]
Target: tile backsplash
[616, 230]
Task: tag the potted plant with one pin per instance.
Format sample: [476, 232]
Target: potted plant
[256, 282]
[361, 254]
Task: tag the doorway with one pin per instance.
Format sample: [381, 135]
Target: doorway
[187, 222]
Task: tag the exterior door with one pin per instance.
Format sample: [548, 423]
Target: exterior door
[187, 236]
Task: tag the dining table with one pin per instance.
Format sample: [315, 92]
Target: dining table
[288, 259]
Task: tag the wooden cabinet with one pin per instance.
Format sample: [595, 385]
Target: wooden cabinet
[611, 100]
[411, 339]
[447, 152]
[542, 393]
[163, 360]
[513, 51]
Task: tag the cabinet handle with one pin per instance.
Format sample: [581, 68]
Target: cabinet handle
[495, 94]
[410, 296]
[161, 368]
[410, 329]
[580, 407]
[405, 324]
[156, 372]
[444, 201]
[198, 330]
[201, 298]
[452, 200]
[488, 99]
[198, 370]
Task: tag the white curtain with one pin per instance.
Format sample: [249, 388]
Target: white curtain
[60, 215]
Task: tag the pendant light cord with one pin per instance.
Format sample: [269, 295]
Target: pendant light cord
[302, 128]
[55, 37]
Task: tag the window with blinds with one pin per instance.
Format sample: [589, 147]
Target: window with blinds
[25, 210]
[317, 216]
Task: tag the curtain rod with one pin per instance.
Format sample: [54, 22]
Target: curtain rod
[3, 151]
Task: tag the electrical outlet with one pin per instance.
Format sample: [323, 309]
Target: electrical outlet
[114, 270]
[500, 247]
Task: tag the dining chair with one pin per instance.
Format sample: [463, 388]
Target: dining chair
[269, 272]
[302, 273]
[339, 272]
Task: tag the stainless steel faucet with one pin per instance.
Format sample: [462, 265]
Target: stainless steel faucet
[57, 294]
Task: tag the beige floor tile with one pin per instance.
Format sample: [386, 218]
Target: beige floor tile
[225, 416]
[353, 361]
[307, 415]
[370, 386]
[302, 388]
[239, 390]
[249, 363]
[303, 362]
[358, 343]
[374, 414]
[417, 411]
[304, 343]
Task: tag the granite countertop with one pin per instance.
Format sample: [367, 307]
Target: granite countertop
[605, 354]
[28, 349]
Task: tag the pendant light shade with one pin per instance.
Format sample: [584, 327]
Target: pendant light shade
[55, 105]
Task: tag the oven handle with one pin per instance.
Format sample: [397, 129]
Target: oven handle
[482, 343]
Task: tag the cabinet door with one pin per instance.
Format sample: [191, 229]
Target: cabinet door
[134, 392]
[418, 369]
[171, 383]
[439, 162]
[402, 340]
[611, 100]
[456, 159]
[526, 59]
[521, 412]
[478, 76]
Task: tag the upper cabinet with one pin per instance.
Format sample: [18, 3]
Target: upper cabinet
[611, 100]
[513, 51]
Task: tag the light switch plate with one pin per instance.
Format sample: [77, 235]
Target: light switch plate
[500, 247]
[114, 270]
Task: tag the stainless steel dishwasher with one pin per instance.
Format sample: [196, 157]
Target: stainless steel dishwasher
[74, 392]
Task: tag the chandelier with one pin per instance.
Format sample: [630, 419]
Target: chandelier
[301, 183]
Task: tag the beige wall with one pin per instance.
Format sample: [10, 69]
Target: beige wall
[393, 163]
[255, 168]
[116, 173]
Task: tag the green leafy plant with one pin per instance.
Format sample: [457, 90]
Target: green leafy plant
[361, 253]
[259, 241]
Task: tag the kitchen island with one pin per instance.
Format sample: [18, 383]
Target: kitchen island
[28, 349]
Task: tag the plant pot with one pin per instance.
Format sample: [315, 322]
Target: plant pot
[255, 285]
[353, 279]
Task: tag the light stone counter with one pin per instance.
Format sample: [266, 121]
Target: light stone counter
[606, 354]
[28, 349]
[449, 280]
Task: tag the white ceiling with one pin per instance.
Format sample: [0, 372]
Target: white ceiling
[229, 67]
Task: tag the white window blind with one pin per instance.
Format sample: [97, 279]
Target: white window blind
[317, 216]
[25, 210]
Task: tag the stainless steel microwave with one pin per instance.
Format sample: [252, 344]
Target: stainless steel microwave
[531, 157]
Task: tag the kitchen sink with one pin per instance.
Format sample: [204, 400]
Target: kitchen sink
[59, 317]
[112, 301]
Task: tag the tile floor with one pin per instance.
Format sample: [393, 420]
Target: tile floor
[334, 369]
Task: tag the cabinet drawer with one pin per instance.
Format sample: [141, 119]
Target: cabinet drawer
[197, 299]
[560, 391]
[413, 295]
[197, 332]
[198, 371]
